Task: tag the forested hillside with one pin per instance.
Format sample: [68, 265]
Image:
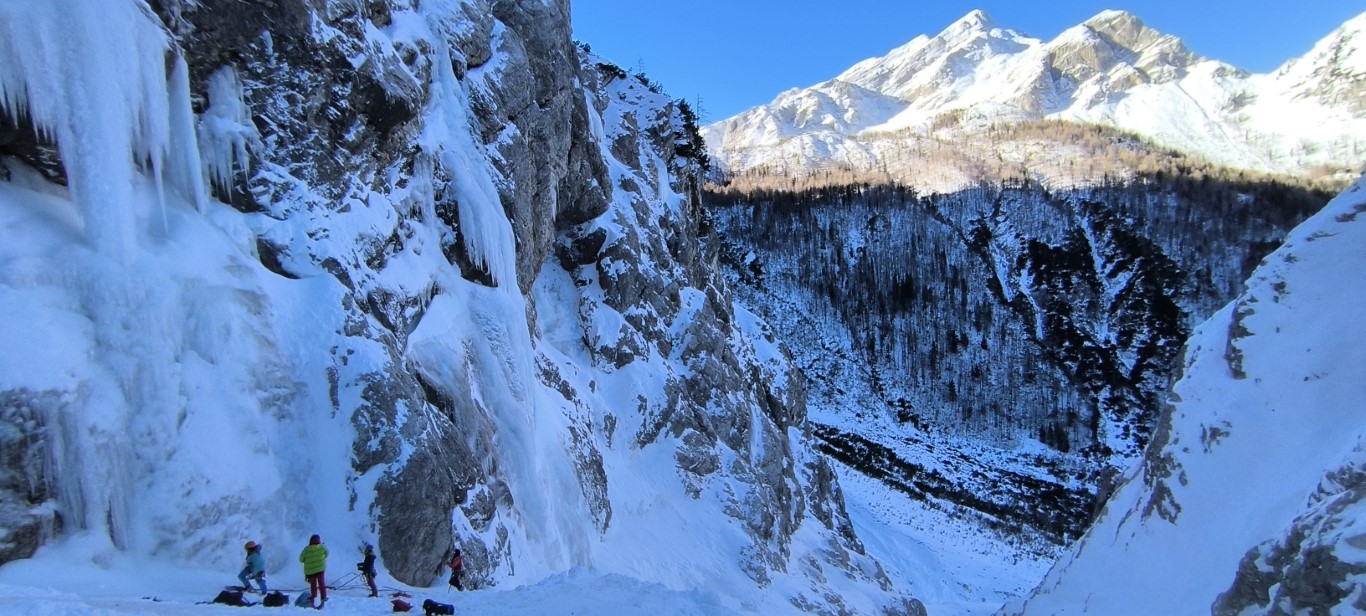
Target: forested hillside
[1040, 324]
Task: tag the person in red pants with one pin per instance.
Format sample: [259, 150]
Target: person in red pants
[457, 565]
[314, 558]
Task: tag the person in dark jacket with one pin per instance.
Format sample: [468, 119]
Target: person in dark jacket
[254, 568]
[457, 564]
[314, 558]
[367, 569]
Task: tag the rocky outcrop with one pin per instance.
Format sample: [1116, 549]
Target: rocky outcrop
[1316, 567]
[730, 398]
[554, 174]
[28, 515]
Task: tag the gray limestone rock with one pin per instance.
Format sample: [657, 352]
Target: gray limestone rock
[27, 512]
[1316, 568]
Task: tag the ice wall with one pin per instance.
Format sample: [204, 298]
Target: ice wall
[176, 338]
[90, 76]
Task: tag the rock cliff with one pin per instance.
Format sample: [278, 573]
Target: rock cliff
[459, 292]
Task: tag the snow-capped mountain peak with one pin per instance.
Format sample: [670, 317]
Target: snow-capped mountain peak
[926, 64]
[1120, 50]
[1111, 70]
[976, 20]
[1121, 26]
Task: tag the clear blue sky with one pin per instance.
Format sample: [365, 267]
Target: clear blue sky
[737, 54]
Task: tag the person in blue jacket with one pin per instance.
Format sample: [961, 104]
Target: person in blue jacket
[254, 569]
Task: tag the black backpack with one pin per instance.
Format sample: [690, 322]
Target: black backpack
[233, 598]
[432, 608]
[275, 599]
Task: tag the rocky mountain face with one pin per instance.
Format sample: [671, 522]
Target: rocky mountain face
[1261, 428]
[943, 112]
[463, 256]
[1334, 71]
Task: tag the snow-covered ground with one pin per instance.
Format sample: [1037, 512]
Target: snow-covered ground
[951, 569]
[949, 565]
[66, 580]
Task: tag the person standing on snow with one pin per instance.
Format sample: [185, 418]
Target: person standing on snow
[254, 568]
[457, 565]
[314, 558]
[367, 570]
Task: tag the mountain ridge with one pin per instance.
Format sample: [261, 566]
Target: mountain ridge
[1111, 70]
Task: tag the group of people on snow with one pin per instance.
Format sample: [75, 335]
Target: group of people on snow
[314, 560]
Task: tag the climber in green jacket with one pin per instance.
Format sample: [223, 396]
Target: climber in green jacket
[314, 558]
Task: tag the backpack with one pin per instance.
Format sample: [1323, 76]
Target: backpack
[402, 606]
[233, 598]
[432, 608]
[275, 599]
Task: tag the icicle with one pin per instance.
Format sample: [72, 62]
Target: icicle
[90, 76]
[157, 166]
[226, 129]
[450, 134]
[185, 168]
[90, 73]
[423, 189]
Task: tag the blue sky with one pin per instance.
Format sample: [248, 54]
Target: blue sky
[737, 54]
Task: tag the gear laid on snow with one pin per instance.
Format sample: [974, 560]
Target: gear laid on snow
[275, 599]
[233, 598]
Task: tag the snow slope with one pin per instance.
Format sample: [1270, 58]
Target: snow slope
[1250, 497]
[938, 98]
